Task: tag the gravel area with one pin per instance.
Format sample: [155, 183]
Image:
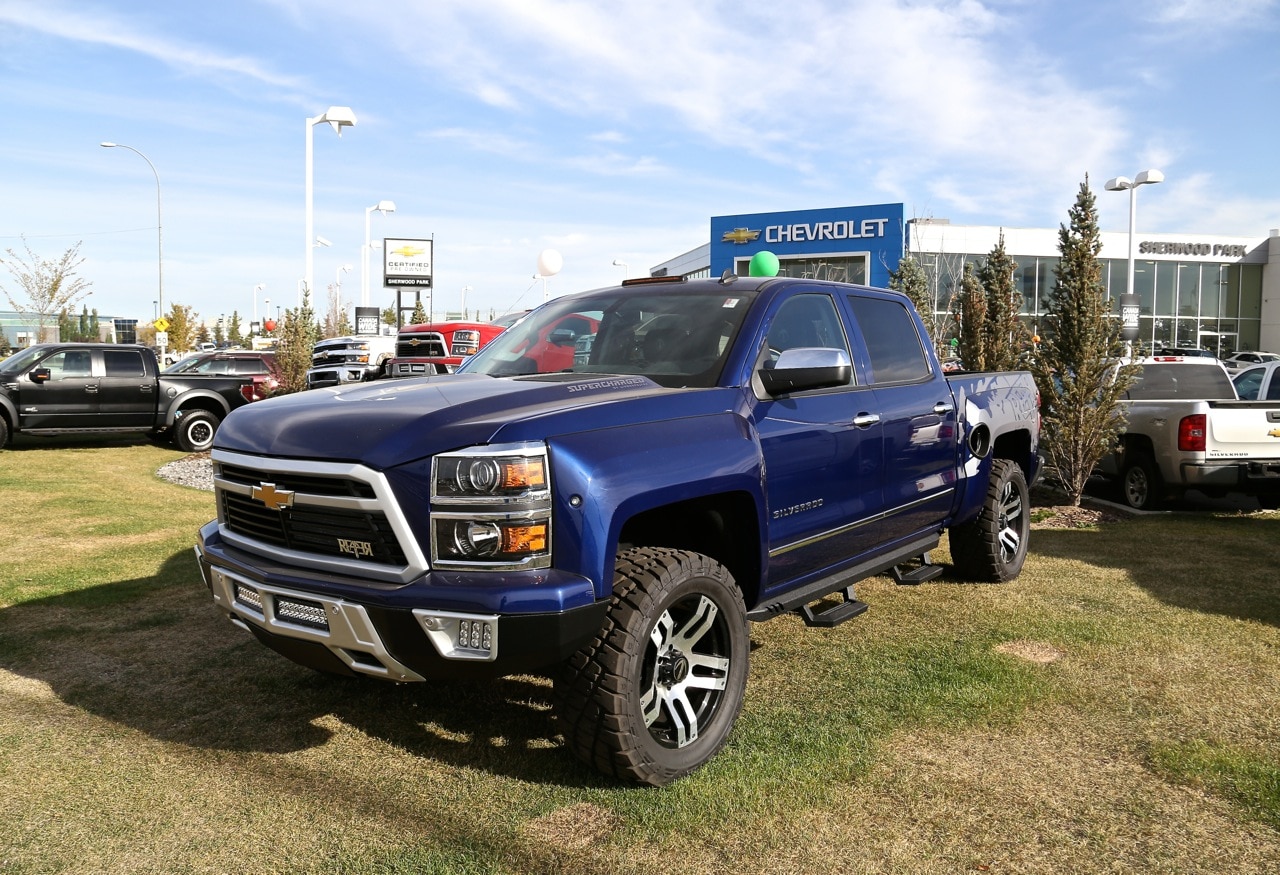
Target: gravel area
[195, 471]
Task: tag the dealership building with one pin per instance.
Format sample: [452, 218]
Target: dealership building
[1218, 292]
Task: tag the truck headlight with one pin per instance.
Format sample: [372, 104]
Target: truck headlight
[491, 508]
[465, 342]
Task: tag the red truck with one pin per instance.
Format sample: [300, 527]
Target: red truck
[440, 347]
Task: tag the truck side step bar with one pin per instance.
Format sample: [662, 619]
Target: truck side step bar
[908, 576]
[834, 616]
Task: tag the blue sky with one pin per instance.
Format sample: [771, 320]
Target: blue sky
[604, 131]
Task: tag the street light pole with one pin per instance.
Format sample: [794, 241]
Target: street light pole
[1123, 183]
[159, 228]
[383, 207]
[626, 268]
[338, 117]
[465, 289]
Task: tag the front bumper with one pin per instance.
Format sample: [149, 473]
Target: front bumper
[340, 375]
[402, 633]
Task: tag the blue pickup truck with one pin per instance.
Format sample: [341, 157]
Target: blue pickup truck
[610, 502]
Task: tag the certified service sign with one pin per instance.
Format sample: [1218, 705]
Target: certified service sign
[406, 263]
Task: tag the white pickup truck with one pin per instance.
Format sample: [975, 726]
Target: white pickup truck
[1188, 430]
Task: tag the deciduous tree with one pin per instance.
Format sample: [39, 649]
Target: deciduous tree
[44, 288]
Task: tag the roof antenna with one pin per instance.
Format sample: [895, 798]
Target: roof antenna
[728, 277]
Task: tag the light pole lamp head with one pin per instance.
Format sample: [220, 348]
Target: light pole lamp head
[1120, 183]
[1148, 177]
[259, 287]
[385, 207]
[321, 241]
[339, 117]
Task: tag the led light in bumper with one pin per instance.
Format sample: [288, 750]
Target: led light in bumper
[460, 636]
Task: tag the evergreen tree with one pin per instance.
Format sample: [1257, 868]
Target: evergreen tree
[1004, 332]
[82, 332]
[419, 316]
[910, 279]
[233, 329]
[66, 327]
[298, 335]
[94, 329]
[1079, 395]
[344, 324]
[389, 316]
[971, 301]
[5, 349]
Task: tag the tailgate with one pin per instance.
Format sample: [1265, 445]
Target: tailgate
[1244, 429]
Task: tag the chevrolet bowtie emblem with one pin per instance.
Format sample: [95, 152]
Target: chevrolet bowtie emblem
[740, 235]
[276, 499]
[1275, 432]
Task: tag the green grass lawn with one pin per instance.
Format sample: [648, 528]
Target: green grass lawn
[1116, 708]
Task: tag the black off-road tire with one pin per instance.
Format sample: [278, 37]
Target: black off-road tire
[992, 546]
[193, 432]
[4, 432]
[654, 696]
[1141, 485]
[1269, 501]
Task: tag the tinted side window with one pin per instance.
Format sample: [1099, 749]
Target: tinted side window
[892, 340]
[807, 321]
[123, 363]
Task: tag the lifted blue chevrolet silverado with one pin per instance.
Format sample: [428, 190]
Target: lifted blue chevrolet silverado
[716, 452]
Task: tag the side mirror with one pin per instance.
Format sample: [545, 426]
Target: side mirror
[40, 375]
[807, 367]
[562, 337]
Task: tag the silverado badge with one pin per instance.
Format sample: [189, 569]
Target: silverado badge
[740, 235]
[276, 499]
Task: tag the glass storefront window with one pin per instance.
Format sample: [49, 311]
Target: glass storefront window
[1046, 279]
[1250, 290]
[1144, 286]
[1229, 290]
[1210, 290]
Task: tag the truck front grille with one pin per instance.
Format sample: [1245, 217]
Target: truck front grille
[326, 531]
[428, 344]
[331, 516]
[296, 481]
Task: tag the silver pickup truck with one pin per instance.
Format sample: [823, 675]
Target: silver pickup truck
[1188, 430]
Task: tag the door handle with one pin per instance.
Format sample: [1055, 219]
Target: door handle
[943, 407]
[866, 420]
[92, 390]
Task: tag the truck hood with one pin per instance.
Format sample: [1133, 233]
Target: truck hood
[392, 422]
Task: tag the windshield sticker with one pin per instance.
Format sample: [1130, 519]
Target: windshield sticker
[730, 303]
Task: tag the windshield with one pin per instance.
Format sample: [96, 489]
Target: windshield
[23, 359]
[674, 336]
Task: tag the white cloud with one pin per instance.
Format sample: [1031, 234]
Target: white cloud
[78, 25]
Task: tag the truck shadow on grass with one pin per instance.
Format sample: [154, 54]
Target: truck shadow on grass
[154, 655]
[1211, 563]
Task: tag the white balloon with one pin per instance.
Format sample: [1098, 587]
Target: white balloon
[549, 262]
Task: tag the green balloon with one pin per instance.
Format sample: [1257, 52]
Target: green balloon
[764, 263]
